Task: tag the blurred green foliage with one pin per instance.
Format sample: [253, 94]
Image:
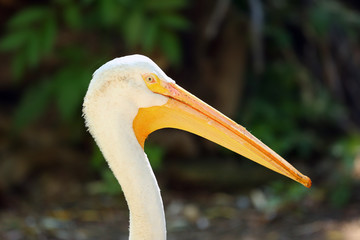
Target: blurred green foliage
[36, 34]
[327, 14]
[346, 150]
[155, 155]
[283, 113]
[288, 105]
[61, 43]
[42, 38]
[31, 36]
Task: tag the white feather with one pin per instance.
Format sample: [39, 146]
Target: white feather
[115, 94]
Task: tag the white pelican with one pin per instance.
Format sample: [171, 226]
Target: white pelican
[130, 97]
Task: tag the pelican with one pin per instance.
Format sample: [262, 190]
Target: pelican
[130, 97]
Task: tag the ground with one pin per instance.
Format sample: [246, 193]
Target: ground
[200, 216]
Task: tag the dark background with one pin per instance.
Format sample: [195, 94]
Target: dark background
[286, 70]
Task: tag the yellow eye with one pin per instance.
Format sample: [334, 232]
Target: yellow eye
[149, 78]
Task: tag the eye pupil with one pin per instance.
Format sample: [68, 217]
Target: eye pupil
[150, 79]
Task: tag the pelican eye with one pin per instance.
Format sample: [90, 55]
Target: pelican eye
[149, 78]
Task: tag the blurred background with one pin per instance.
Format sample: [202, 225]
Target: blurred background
[286, 70]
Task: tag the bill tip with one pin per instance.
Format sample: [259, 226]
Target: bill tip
[307, 182]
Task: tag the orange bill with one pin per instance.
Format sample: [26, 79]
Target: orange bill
[185, 111]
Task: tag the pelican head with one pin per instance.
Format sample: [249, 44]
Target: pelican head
[137, 84]
[130, 97]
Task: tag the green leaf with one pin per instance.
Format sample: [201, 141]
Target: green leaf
[18, 65]
[33, 49]
[151, 33]
[111, 184]
[64, 93]
[174, 21]
[162, 5]
[133, 28]
[171, 47]
[72, 16]
[14, 40]
[28, 16]
[70, 90]
[49, 35]
[320, 20]
[32, 105]
[155, 154]
[109, 11]
[97, 159]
